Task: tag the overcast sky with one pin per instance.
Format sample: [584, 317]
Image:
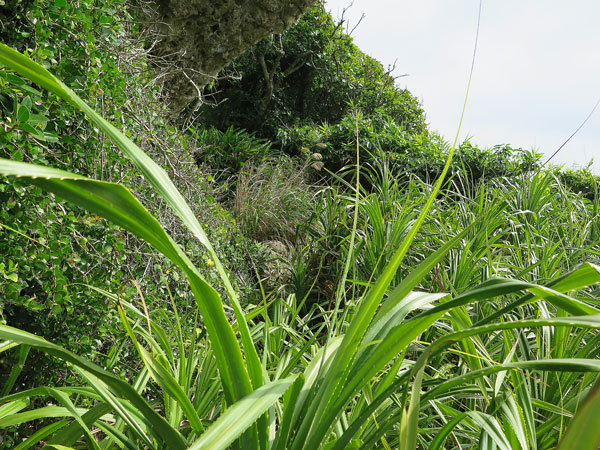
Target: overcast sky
[537, 70]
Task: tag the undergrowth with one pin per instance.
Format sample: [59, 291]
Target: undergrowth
[363, 302]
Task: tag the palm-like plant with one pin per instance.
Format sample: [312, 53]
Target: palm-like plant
[394, 368]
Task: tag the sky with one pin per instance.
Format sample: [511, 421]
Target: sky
[536, 75]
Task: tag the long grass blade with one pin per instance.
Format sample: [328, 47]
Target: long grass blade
[229, 426]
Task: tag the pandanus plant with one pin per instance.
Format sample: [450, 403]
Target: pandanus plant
[395, 368]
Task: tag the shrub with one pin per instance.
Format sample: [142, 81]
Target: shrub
[226, 152]
[52, 251]
[407, 154]
[581, 181]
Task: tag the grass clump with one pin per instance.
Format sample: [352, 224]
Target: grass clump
[273, 199]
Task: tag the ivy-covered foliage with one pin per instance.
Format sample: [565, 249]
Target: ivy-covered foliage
[309, 74]
[52, 252]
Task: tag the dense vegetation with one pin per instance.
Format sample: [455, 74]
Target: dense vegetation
[327, 273]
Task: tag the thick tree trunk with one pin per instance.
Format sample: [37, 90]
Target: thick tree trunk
[198, 38]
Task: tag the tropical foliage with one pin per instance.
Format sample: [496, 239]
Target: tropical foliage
[450, 306]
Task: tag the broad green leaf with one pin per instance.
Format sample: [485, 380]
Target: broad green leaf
[71, 433]
[555, 365]
[64, 399]
[16, 369]
[35, 414]
[500, 378]
[502, 286]
[512, 415]
[40, 434]
[584, 275]
[13, 407]
[490, 425]
[239, 416]
[408, 436]
[395, 315]
[385, 350]
[289, 405]
[368, 411]
[22, 113]
[440, 437]
[400, 293]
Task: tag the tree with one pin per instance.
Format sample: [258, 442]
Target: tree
[308, 74]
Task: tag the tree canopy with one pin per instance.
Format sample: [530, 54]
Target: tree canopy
[311, 73]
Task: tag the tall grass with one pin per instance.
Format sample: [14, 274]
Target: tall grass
[272, 200]
[501, 362]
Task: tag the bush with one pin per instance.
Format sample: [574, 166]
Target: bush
[226, 152]
[407, 154]
[580, 181]
[53, 251]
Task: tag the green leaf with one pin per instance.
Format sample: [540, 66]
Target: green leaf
[35, 414]
[64, 399]
[122, 388]
[73, 432]
[11, 78]
[408, 436]
[16, 369]
[440, 437]
[22, 114]
[490, 426]
[558, 365]
[40, 434]
[35, 119]
[289, 401]
[11, 408]
[241, 415]
[584, 430]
